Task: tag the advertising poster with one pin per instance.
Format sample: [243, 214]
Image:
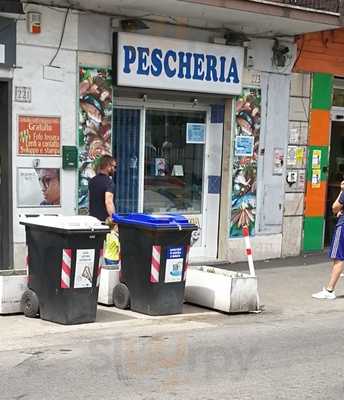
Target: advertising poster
[84, 266]
[278, 161]
[39, 136]
[300, 157]
[244, 180]
[38, 187]
[316, 159]
[291, 156]
[174, 264]
[95, 119]
[243, 146]
[316, 178]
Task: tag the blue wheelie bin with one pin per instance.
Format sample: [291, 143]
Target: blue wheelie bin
[154, 254]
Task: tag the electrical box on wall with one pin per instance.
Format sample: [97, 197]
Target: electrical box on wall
[249, 57]
[69, 157]
[33, 22]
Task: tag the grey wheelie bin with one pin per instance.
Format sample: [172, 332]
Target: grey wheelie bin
[154, 257]
[64, 256]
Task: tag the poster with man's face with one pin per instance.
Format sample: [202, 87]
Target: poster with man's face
[39, 187]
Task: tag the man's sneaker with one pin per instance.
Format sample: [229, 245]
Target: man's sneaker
[324, 294]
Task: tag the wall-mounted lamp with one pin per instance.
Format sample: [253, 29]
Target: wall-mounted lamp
[235, 38]
[144, 98]
[133, 24]
[194, 102]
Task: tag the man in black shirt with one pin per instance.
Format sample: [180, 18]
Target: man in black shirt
[102, 189]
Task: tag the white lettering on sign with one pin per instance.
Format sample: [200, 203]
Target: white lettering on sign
[162, 63]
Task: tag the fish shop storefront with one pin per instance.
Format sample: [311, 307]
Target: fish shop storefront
[170, 100]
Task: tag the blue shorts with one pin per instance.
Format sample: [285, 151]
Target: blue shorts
[336, 251]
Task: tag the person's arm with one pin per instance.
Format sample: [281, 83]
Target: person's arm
[109, 205]
[337, 206]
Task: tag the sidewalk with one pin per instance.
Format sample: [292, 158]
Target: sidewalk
[285, 288]
[297, 261]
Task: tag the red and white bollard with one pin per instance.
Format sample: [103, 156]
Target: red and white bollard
[246, 234]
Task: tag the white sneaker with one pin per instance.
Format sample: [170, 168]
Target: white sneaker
[324, 294]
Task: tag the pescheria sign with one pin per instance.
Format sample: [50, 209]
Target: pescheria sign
[172, 64]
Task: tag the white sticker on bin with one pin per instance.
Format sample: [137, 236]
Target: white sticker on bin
[84, 268]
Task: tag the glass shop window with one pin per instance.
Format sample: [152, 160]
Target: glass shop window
[174, 161]
[338, 97]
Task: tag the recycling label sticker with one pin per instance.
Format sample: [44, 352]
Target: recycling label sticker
[174, 264]
[84, 267]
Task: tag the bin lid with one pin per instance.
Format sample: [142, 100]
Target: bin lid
[65, 223]
[158, 221]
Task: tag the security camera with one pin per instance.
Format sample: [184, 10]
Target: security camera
[195, 102]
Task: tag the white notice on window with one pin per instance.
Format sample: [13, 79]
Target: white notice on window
[84, 267]
[2, 53]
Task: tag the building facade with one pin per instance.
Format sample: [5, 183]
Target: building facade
[203, 121]
[320, 54]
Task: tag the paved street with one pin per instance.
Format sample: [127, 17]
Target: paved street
[292, 350]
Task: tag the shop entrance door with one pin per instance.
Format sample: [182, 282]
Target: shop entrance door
[174, 166]
[173, 161]
[336, 169]
[6, 253]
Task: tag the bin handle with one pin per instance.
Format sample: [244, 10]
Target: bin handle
[38, 215]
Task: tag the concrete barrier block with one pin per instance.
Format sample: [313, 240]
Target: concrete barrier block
[222, 290]
[13, 283]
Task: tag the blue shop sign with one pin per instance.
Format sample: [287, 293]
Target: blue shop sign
[171, 64]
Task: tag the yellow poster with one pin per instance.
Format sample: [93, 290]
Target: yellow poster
[300, 154]
[316, 178]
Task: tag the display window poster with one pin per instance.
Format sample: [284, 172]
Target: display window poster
[160, 167]
[38, 187]
[195, 133]
[84, 267]
[244, 166]
[39, 136]
[174, 264]
[95, 120]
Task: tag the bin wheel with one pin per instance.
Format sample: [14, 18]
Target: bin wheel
[121, 296]
[29, 303]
